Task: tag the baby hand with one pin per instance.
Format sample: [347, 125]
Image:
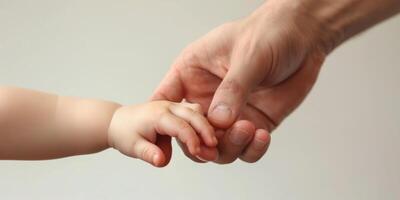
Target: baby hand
[133, 129]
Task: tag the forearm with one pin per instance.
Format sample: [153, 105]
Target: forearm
[331, 22]
[36, 125]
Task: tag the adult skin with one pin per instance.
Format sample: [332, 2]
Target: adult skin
[252, 73]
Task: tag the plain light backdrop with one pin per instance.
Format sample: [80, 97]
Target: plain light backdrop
[342, 143]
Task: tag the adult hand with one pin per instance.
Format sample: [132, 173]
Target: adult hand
[240, 72]
[252, 73]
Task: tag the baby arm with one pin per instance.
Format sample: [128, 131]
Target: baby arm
[36, 125]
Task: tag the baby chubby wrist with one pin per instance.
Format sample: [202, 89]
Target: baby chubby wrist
[110, 142]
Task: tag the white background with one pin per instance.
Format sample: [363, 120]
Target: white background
[342, 143]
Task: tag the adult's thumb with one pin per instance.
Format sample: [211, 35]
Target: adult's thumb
[233, 92]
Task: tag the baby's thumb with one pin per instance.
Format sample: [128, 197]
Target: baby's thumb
[148, 152]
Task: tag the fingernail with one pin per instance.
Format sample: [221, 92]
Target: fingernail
[217, 156]
[261, 140]
[222, 112]
[155, 159]
[238, 137]
[259, 144]
[202, 159]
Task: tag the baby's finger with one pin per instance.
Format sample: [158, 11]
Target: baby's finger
[206, 154]
[174, 126]
[198, 122]
[194, 106]
[188, 154]
[148, 152]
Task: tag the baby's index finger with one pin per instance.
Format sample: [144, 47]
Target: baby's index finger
[174, 126]
[198, 121]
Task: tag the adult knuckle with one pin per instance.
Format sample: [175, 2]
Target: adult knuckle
[190, 57]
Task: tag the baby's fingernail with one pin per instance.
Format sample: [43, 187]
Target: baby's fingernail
[202, 159]
[155, 159]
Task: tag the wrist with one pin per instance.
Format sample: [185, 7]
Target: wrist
[110, 141]
[83, 124]
[327, 24]
[297, 22]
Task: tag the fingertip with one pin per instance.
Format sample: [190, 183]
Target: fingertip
[208, 135]
[258, 147]
[215, 141]
[159, 160]
[164, 143]
[245, 125]
[188, 154]
[242, 133]
[194, 148]
[221, 116]
[208, 154]
[211, 140]
[263, 135]
[156, 160]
